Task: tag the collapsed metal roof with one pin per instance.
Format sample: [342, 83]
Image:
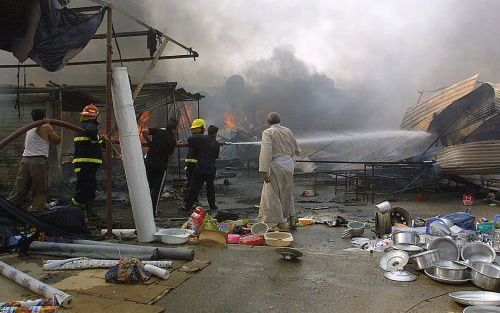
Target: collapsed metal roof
[420, 116]
[474, 158]
[467, 115]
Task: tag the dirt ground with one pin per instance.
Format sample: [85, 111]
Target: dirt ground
[325, 279]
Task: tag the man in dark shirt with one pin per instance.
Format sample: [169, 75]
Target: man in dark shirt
[161, 145]
[206, 149]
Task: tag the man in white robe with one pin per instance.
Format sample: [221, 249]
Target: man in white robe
[276, 164]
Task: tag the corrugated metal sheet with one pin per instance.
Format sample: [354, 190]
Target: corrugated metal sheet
[496, 87]
[420, 116]
[475, 158]
[466, 115]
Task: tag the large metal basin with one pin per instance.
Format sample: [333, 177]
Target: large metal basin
[451, 270]
[447, 248]
[486, 275]
[425, 259]
[478, 251]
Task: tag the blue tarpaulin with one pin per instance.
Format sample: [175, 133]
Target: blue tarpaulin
[62, 34]
[45, 31]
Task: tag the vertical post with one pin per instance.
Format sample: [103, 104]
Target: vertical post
[166, 105]
[178, 148]
[198, 107]
[109, 105]
[372, 184]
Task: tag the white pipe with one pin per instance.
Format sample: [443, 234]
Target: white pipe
[156, 271]
[133, 161]
[58, 297]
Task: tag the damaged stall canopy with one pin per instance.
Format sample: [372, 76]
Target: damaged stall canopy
[45, 31]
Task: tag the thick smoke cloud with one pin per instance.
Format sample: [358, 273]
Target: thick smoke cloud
[378, 53]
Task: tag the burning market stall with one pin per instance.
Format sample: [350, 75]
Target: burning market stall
[50, 33]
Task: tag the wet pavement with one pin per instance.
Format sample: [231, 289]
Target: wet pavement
[325, 279]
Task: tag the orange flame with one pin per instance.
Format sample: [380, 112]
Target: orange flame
[229, 120]
[186, 116]
[143, 123]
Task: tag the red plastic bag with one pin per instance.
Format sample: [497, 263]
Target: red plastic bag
[252, 240]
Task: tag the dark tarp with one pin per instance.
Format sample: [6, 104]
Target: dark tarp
[19, 21]
[52, 226]
[49, 34]
[62, 34]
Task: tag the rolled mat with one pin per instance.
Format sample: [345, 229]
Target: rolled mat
[59, 297]
[31, 309]
[116, 251]
[37, 302]
[85, 263]
[158, 272]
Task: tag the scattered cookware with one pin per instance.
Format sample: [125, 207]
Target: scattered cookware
[478, 251]
[425, 259]
[447, 248]
[400, 216]
[354, 229]
[485, 275]
[259, 229]
[412, 249]
[278, 239]
[394, 260]
[400, 275]
[451, 270]
[482, 309]
[289, 254]
[406, 238]
[432, 274]
[384, 207]
[476, 297]
[173, 236]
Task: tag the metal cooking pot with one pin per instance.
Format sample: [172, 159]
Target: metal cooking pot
[478, 251]
[425, 259]
[448, 249]
[451, 270]
[485, 275]
[405, 238]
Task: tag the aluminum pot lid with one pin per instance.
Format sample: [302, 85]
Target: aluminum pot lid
[400, 276]
[394, 260]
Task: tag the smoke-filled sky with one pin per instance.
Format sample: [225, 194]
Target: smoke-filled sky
[376, 54]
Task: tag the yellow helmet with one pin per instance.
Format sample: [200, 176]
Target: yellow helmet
[197, 123]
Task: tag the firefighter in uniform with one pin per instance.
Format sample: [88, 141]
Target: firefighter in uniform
[197, 129]
[87, 159]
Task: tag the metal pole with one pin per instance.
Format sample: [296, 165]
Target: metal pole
[372, 184]
[178, 148]
[109, 105]
[198, 108]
